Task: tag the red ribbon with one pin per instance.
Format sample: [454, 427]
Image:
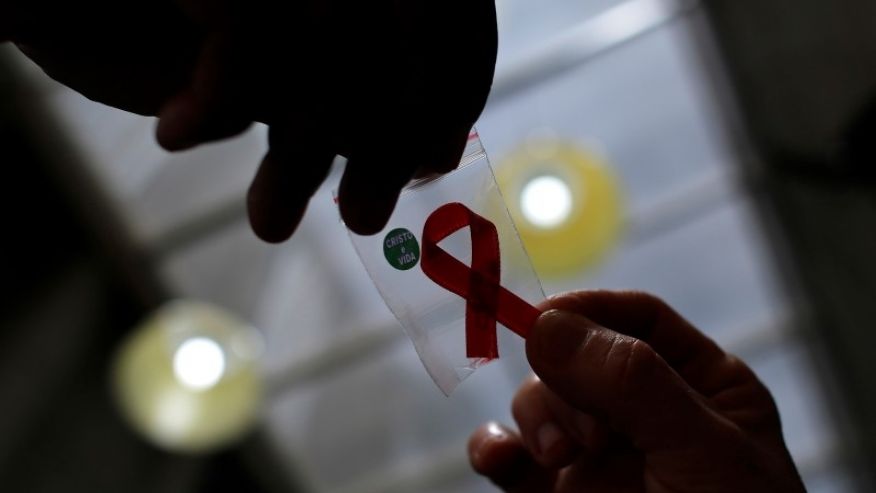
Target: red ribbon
[486, 300]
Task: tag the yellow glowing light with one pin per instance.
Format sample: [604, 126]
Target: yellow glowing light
[187, 379]
[566, 203]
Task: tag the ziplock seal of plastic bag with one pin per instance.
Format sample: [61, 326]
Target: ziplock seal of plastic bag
[483, 238]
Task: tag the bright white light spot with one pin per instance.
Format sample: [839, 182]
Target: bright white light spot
[546, 201]
[199, 363]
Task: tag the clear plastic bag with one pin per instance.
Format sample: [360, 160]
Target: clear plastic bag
[433, 317]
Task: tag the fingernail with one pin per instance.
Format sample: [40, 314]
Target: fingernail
[495, 433]
[495, 430]
[549, 436]
[556, 338]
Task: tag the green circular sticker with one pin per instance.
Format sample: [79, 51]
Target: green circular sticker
[401, 249]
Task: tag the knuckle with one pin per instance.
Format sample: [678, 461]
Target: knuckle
[646, 298]
[652, 304]
[735, 442]
[742, 373]
[633, 364]
[746, 396]
[624, 361]
[736, 366]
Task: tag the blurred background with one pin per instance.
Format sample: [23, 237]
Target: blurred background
[722, 154]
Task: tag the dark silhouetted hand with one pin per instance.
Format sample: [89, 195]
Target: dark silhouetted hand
[395, 86]
[632, 398]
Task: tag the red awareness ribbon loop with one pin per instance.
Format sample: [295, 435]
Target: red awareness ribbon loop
[486, 300]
